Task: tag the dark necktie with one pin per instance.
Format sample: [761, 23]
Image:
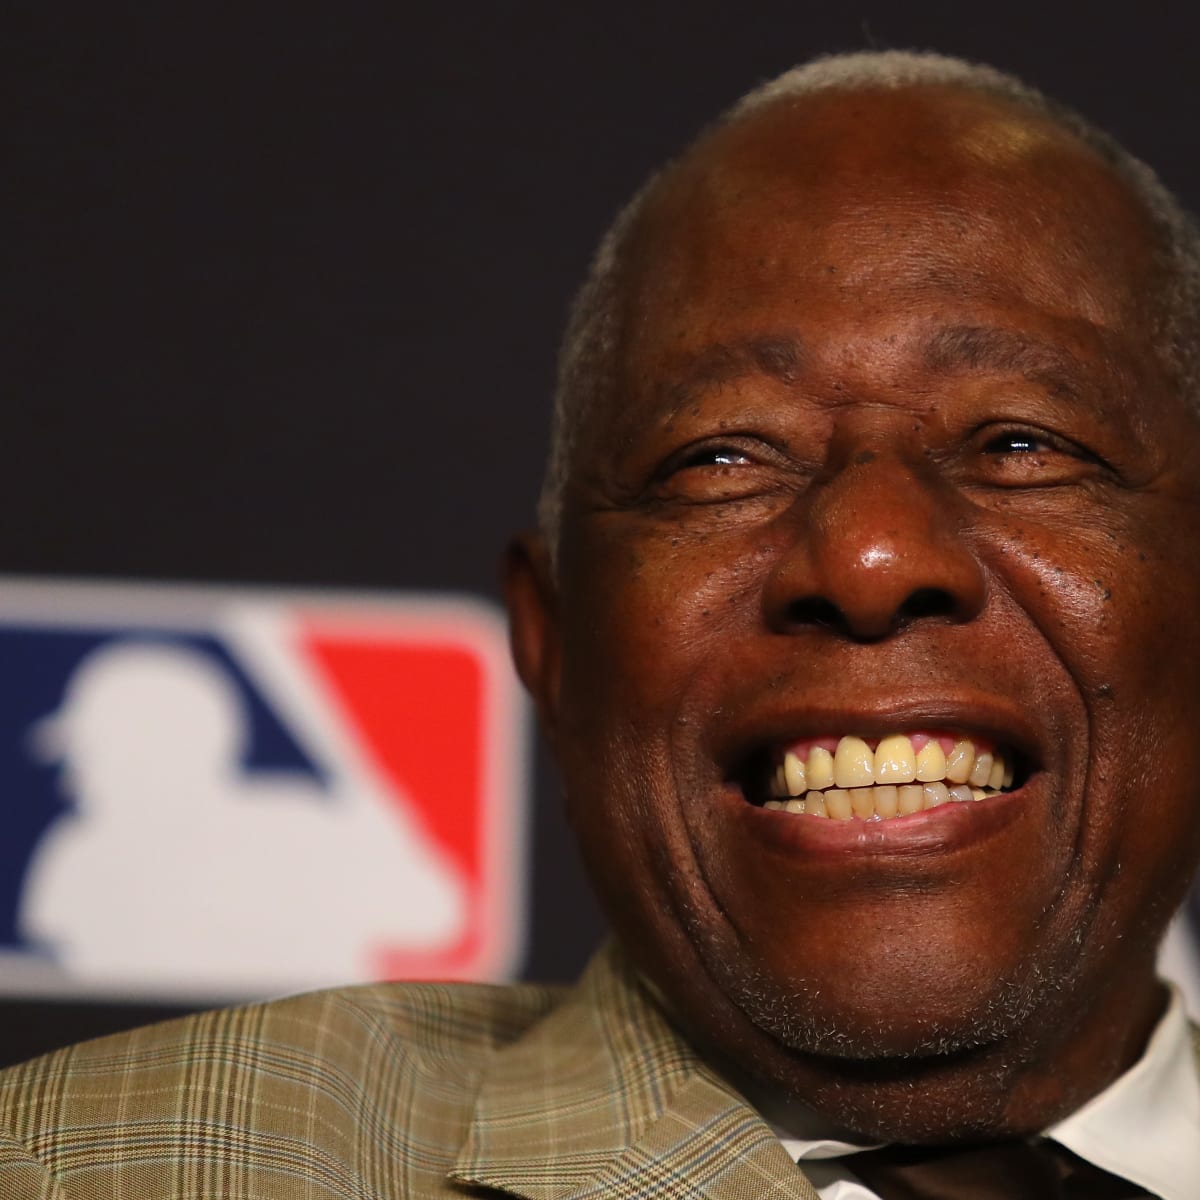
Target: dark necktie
[1014, 1170]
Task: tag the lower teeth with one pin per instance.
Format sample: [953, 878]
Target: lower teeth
[879, 803]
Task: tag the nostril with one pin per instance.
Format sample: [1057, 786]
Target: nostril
[823, 612]
[817, 610]
[926, 602]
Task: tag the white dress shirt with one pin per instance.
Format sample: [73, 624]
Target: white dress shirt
[1145, 1126]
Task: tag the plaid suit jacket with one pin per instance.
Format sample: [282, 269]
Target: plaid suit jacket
[389, 1091]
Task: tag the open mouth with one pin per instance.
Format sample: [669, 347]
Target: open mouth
[849, 777]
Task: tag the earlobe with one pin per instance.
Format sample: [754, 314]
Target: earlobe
[531, 595]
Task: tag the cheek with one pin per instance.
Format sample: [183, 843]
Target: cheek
[1115, 600]
[1110, 595]
[651, 624]
[636, 637]
[646, 616]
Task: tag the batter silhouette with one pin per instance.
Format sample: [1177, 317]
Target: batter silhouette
[178, 869]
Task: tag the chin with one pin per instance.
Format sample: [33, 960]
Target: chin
[936, 1074]
[900, 1007]
[867, 1032]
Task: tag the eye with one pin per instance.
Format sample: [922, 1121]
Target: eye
[1013, 443]
[1020, 442]
[716, 470]
[1025, 456]
[715, 456]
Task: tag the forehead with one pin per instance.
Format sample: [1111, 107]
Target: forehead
[872, 197]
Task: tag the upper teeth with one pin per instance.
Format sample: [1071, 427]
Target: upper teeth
[809, 767]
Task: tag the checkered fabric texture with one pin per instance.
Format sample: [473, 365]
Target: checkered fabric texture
[389, 1091]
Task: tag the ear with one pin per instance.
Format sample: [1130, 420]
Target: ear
[531, 594]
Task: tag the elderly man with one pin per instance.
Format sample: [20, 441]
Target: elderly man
[861, 625]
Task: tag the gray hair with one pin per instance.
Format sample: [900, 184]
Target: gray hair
[587, 368]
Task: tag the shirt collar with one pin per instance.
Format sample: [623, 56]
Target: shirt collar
[1145, 1126]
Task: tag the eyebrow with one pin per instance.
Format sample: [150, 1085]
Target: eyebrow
[976, 347]
[951, 348]
[778, 356]
[955, 347]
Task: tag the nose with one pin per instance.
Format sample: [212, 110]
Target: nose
[873, 548]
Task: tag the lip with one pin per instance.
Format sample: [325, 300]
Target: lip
[933, 833]
[1000, 723]
[939, 832]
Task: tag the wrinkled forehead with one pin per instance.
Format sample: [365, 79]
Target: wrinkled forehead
[928, 181]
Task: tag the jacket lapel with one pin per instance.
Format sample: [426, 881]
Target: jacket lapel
[603, 1099]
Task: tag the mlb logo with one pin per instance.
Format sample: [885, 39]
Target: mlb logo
[216, 793]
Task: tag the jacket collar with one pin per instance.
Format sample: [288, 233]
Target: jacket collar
[602, 1098]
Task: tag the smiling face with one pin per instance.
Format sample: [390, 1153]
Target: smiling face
[890, 458]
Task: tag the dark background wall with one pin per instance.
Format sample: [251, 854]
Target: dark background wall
[283, 282]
